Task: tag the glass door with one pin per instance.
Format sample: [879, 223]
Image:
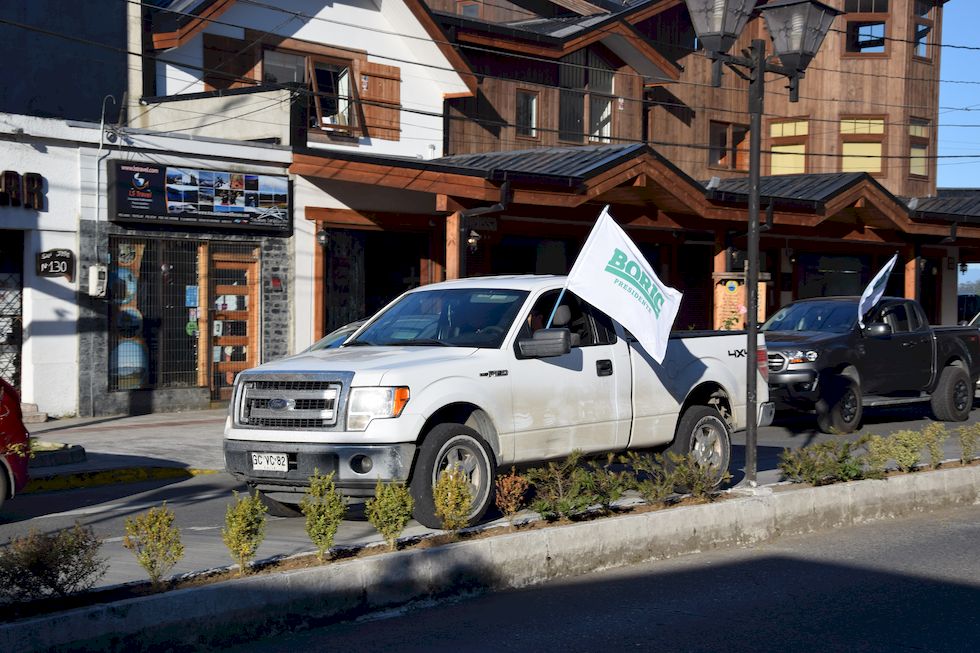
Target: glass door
[233, 283]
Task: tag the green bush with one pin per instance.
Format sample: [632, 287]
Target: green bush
[40, 565]
[652, 481]
[968, 442]
[935, 435]
[826, 462]
[561, 490]
[606, 485]
[453, 499]
[878, 454]
[390, 510]
[324, 509]
[906, 448]
[696, 478]
[244, 528]
[155, 541]
[511, 494]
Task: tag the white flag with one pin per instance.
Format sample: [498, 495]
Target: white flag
[873, 293]
[612, 275]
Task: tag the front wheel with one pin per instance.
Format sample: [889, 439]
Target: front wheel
[843, 410]
[276, 508]
[447, 446]
[704, 434]
[953, 397]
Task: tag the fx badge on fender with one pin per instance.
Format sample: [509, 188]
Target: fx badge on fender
[493, 373]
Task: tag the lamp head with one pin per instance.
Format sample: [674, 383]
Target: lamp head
[797, 29]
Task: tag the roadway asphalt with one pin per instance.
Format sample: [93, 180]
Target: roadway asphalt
[192, 442]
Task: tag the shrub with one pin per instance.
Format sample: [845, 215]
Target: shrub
[324, 509]
[40, 565]
[453, 499]
[561, 490]
[652, 480]
[698, 479]
[825, 462]
[935, 435]
[878, 453]
[605, 485]
[390, 510]
[968, 442]
[244, 528]
[155, 541]
[906, 448]
[511, 493]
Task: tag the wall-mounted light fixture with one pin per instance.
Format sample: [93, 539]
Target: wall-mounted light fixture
[964, 268]
[473, 241]
[322, 238]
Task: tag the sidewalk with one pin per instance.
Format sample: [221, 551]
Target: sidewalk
[129, 448]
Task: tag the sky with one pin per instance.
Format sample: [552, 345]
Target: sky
[959, 103]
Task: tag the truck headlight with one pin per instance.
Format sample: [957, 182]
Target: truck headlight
[807, 356]
[366, 404]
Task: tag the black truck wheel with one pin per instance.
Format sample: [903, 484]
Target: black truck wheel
[447, 446]
[840, 408]
[952, 399]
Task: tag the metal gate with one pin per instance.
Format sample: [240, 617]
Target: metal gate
[11, 304]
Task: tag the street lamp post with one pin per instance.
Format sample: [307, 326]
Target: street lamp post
[797, 29]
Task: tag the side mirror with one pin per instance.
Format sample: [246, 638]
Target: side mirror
[878, 330]
[963, 323]
[546, 343]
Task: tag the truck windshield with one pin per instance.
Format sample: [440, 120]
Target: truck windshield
[833, 317]
[459, 317]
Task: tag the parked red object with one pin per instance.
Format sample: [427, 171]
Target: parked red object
[14, 443]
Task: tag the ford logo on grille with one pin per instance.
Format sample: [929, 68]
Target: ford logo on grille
[278, 404]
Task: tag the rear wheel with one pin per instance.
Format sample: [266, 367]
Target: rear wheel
[447, 446]
[4, 486]
[704, 434]
[843, 410]
[953, 397]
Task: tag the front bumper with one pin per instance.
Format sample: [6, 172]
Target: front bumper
[389, 462]
[794, 387]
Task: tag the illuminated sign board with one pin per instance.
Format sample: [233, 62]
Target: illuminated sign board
[151, 193]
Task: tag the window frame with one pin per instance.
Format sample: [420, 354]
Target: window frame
[882, 139]
[462, 4]
[796, 139]
[858, 18]
[534, 127]
[919, 141]
[928, 22]
[586, 94]
[731, 150]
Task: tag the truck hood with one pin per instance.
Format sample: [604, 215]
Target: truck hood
[778, 340]
[369, 364]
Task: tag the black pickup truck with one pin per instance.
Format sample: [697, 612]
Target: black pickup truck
[821, 359]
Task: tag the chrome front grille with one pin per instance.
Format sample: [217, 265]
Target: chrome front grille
[288, 401]
[777, 362]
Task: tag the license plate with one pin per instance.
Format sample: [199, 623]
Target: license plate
[270, 462]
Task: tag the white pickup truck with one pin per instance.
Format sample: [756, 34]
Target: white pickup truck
[456, 373]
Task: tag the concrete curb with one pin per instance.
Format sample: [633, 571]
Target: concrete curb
[245, 609]
[68, 454]
[110, 477]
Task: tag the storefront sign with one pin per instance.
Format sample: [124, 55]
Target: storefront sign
[56, 263]
[150, 193]
[25, 190]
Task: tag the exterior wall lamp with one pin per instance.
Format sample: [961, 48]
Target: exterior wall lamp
[473, 241]
[322, 237]
[797, 29]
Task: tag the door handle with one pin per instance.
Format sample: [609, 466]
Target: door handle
[604, 367]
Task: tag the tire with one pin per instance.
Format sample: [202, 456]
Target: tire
[276, 508]
[953, 398]
[703, 432]
[452, 444]
[4, 486]
[843, 411]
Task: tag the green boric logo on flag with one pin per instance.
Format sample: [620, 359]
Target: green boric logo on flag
[611, 274]
[634, 279]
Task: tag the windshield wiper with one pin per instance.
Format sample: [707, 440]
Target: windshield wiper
[421, 342]
[359, 343]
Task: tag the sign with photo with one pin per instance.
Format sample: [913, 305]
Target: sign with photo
[151, 193]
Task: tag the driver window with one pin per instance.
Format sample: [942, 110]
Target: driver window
[896, 317]
[581, 319]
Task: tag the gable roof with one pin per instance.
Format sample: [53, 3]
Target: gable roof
[810, 189]
[567, 165]
[952, 204]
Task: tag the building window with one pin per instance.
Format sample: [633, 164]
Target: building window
[468, 9]
[919, 147]
[862, 144]
[923, 19]
[788, 147]
[332, 99]
[729, 146]
[527, 114]
[867, 26]
[586, 80]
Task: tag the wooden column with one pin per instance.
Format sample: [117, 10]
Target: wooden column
[453, 252]
[911, 272]
[721, 253]
[319, 288]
